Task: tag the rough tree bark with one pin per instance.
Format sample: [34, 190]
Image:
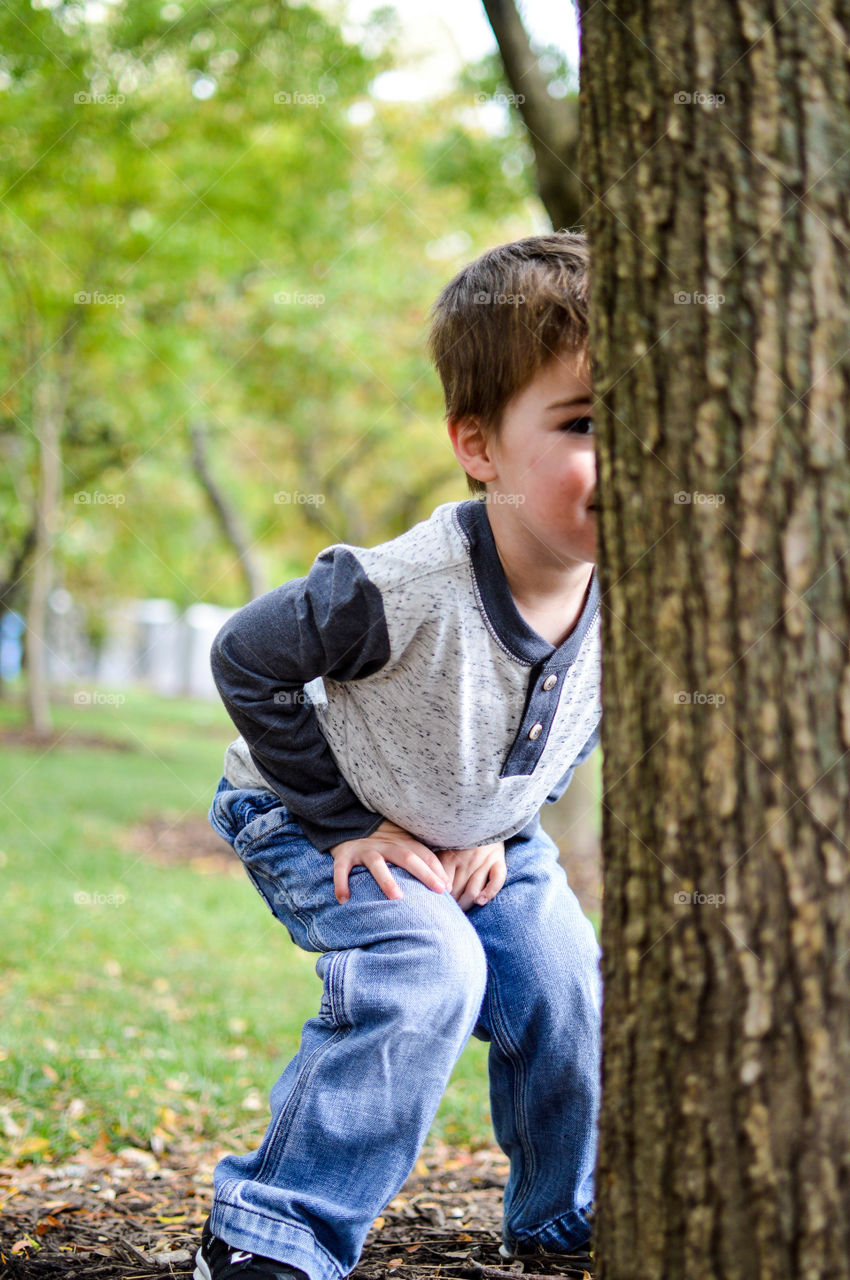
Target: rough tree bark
[725, 490]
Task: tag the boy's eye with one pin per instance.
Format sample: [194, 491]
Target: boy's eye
[583, 426]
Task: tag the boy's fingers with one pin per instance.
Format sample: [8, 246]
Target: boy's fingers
[473, 888]
[498, 876]
[341, 890]
[401, 852]
[382, 876]
[448, 870]
[481, 890]
[416, 864]
[436, 865]
[429, 858]
[459, 881]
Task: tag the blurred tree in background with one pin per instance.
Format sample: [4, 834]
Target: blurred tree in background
[219, 248]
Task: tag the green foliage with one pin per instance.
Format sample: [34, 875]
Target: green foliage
[227, 157]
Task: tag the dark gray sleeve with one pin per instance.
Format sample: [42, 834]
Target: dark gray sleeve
[330, 623]
[560, 787]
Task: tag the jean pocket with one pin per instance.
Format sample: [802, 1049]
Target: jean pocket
[234, 810]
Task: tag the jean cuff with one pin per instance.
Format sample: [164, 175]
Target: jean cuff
[288, 1242]
[566, 1234]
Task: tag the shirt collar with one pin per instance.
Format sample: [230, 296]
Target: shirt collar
[498, 603]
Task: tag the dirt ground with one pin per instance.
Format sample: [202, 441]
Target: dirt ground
[131, 1215]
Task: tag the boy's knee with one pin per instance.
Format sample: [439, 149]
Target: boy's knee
[434, 975]
[457, 964]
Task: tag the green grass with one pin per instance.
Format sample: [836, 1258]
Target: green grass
[169, 1001]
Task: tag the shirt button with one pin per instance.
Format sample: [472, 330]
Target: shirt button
[550, 682]
[535, 731]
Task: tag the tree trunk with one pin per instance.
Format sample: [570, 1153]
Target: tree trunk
[46, 427]
[10, 587]
[226, 514]
[552, 123]
[723, 547]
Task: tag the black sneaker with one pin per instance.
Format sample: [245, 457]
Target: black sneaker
[578, 1261]
[218, 1260]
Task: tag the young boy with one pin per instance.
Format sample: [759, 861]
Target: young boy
[404, 712]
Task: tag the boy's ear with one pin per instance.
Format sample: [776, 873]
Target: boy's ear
[473, 448]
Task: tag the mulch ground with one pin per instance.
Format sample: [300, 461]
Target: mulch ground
[130, 1215]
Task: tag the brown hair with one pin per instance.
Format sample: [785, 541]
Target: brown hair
[503, 317]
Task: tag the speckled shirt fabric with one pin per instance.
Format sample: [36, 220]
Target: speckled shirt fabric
[401, 681]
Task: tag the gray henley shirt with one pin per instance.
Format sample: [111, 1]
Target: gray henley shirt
[400, 681]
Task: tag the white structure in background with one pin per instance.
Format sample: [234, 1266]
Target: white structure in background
[148, 643]
[201, 623]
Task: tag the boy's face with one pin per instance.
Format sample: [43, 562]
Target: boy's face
[544, 462]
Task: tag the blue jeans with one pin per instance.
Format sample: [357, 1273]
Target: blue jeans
[405, 983]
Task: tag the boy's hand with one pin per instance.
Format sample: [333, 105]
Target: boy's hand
[387, 844]
[475, 875]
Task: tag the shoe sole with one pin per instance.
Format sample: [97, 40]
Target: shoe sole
[202, 1271]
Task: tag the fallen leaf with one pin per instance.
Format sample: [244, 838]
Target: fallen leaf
[26, 1242]
[29, 1145]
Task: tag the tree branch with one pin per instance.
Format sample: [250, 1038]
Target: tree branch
[552, 124]
[225, 513]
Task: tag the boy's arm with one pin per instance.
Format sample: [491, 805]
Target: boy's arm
[330, 623]
[561, 786]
